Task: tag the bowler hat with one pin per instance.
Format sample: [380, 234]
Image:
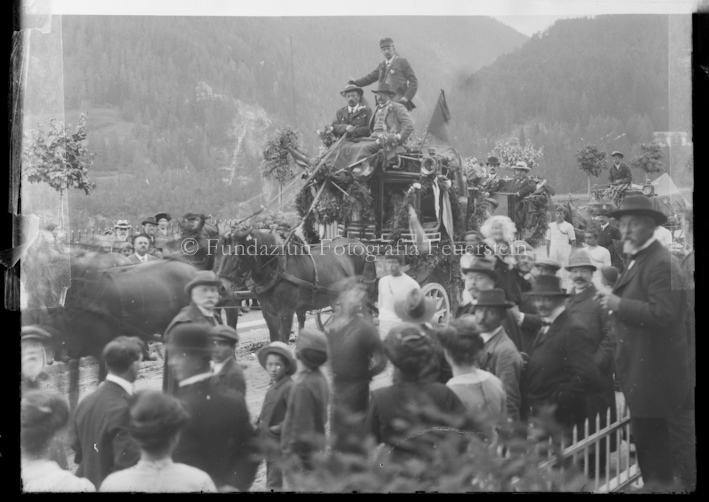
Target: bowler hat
[160, 216]
[480, 264]
[149, 219]
[202, 278]
[192, 216]
[493, 298]
[122, 224]
[617, 154]
[493, 161]
[522, 165]
[385, 41]
[282, 350]
[549, 263]
[639, 205]
[352, 87]
[415, 307]
[580, 258]
[224, 332]
[384, 87]
[35, 332]
[190, 337]
[547, 285]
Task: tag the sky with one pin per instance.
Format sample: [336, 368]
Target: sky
[529, 25]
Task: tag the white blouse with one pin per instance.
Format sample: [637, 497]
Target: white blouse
[159, 477]
[46, 476]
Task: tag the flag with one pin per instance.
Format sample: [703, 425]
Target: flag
[439, 121]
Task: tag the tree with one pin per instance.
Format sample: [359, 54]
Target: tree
[510, 153]
[650, 159]
[591, 161]
[59, 159]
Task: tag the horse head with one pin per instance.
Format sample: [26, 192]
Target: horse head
[237, 256]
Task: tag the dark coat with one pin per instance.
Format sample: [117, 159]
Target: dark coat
[273, 412]
[303, 431]
[360, 120]
[134, 259]
[620, 175]
[501, 358]
[397, 120]
[523, 187]
[230, 378]
[591, 314]
[102, 444]
[652, 350]
[608, 235]
[400, 77]
[391, 407]
[509, 323]
[528, 330]
[190, 313]
[219, 438]
[561, 370]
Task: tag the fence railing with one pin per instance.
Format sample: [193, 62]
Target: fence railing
[611, 471]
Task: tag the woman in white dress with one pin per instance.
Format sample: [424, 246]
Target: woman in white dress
[156, 421]
[44, 414]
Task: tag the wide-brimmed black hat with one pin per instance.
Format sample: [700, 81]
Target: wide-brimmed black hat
[641, 206]
[617, 154]
[160, 216]
[352, 87]
[203, 278]
[493, 298]
[384, 87]
[547, 285]
[149, 219]
[415, 307]
[494, 161]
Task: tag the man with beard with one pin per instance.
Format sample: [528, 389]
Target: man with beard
[394, 71]
[647, 306]
[585, 308]
[121, 229]
[353, 119]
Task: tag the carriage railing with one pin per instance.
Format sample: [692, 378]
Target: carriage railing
[586, 453]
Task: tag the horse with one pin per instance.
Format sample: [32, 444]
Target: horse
[101, 305]
[291, 279]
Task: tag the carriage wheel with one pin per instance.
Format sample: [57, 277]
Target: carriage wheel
[443, 305]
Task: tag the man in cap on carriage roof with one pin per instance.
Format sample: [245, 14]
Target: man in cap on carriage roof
[394, 71]
[353, 119]
[620, 177]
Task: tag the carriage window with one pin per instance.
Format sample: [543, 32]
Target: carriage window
[428, 209]
[392, 195]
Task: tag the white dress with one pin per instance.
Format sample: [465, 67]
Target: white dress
[162, 476]
[392, 289]
[560, 236]
[46, 476]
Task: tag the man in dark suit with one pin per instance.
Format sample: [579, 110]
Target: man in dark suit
[141, 243]
[219, 438]
[607, 233]
[647, 304]
[620, 177]
[353, 119]
[521, 186]
[561, 370]
[394, 71]
[227, 373]
[102, 444]
[203, 290]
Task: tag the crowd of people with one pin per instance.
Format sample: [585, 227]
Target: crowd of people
[520, 342]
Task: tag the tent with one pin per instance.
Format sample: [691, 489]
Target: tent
[669, 198]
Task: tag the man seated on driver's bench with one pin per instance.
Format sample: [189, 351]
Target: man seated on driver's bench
[353, 119]
[389, 117]
[521, 186]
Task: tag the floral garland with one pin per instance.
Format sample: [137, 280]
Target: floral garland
[359, 199]
[302, 203]
[326, 135]
[388, 140]
[276, 160]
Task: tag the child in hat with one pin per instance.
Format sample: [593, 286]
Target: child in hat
[303, 430]
[276, 358]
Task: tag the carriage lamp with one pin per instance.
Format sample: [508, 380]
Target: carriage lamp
[649, 190]
[428, 166]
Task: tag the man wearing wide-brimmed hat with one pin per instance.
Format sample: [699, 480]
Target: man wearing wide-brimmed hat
[203, 291]
[353, 119]
[521, 186]
[389, 116]
[499, 355]
[561, 369]
[647, 307]
[219, 438]
[394, 71]
[121, 230]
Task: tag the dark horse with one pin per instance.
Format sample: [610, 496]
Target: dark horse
[137, 300]
[284, 280]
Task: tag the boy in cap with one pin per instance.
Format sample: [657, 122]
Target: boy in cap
[276, 358]
[228, 375]
[303, 431]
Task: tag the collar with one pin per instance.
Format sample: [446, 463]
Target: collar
[123, 383]
[577, 291]
[205, 312]
[644, 246]
[195, 379]
[603, 227]
[280, 382]
[355, 109]
[141, 258]
[218, 367]
[476, 376]
[488, 336]
[154, 464]
[555, 313]
[388, 63]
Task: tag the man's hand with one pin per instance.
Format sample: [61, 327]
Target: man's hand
[608, 300]
[350, 80]
[403, 101]
[349, 129]
[398, 137]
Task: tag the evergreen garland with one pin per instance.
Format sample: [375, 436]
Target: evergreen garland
[276, 160]
[302, 203]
